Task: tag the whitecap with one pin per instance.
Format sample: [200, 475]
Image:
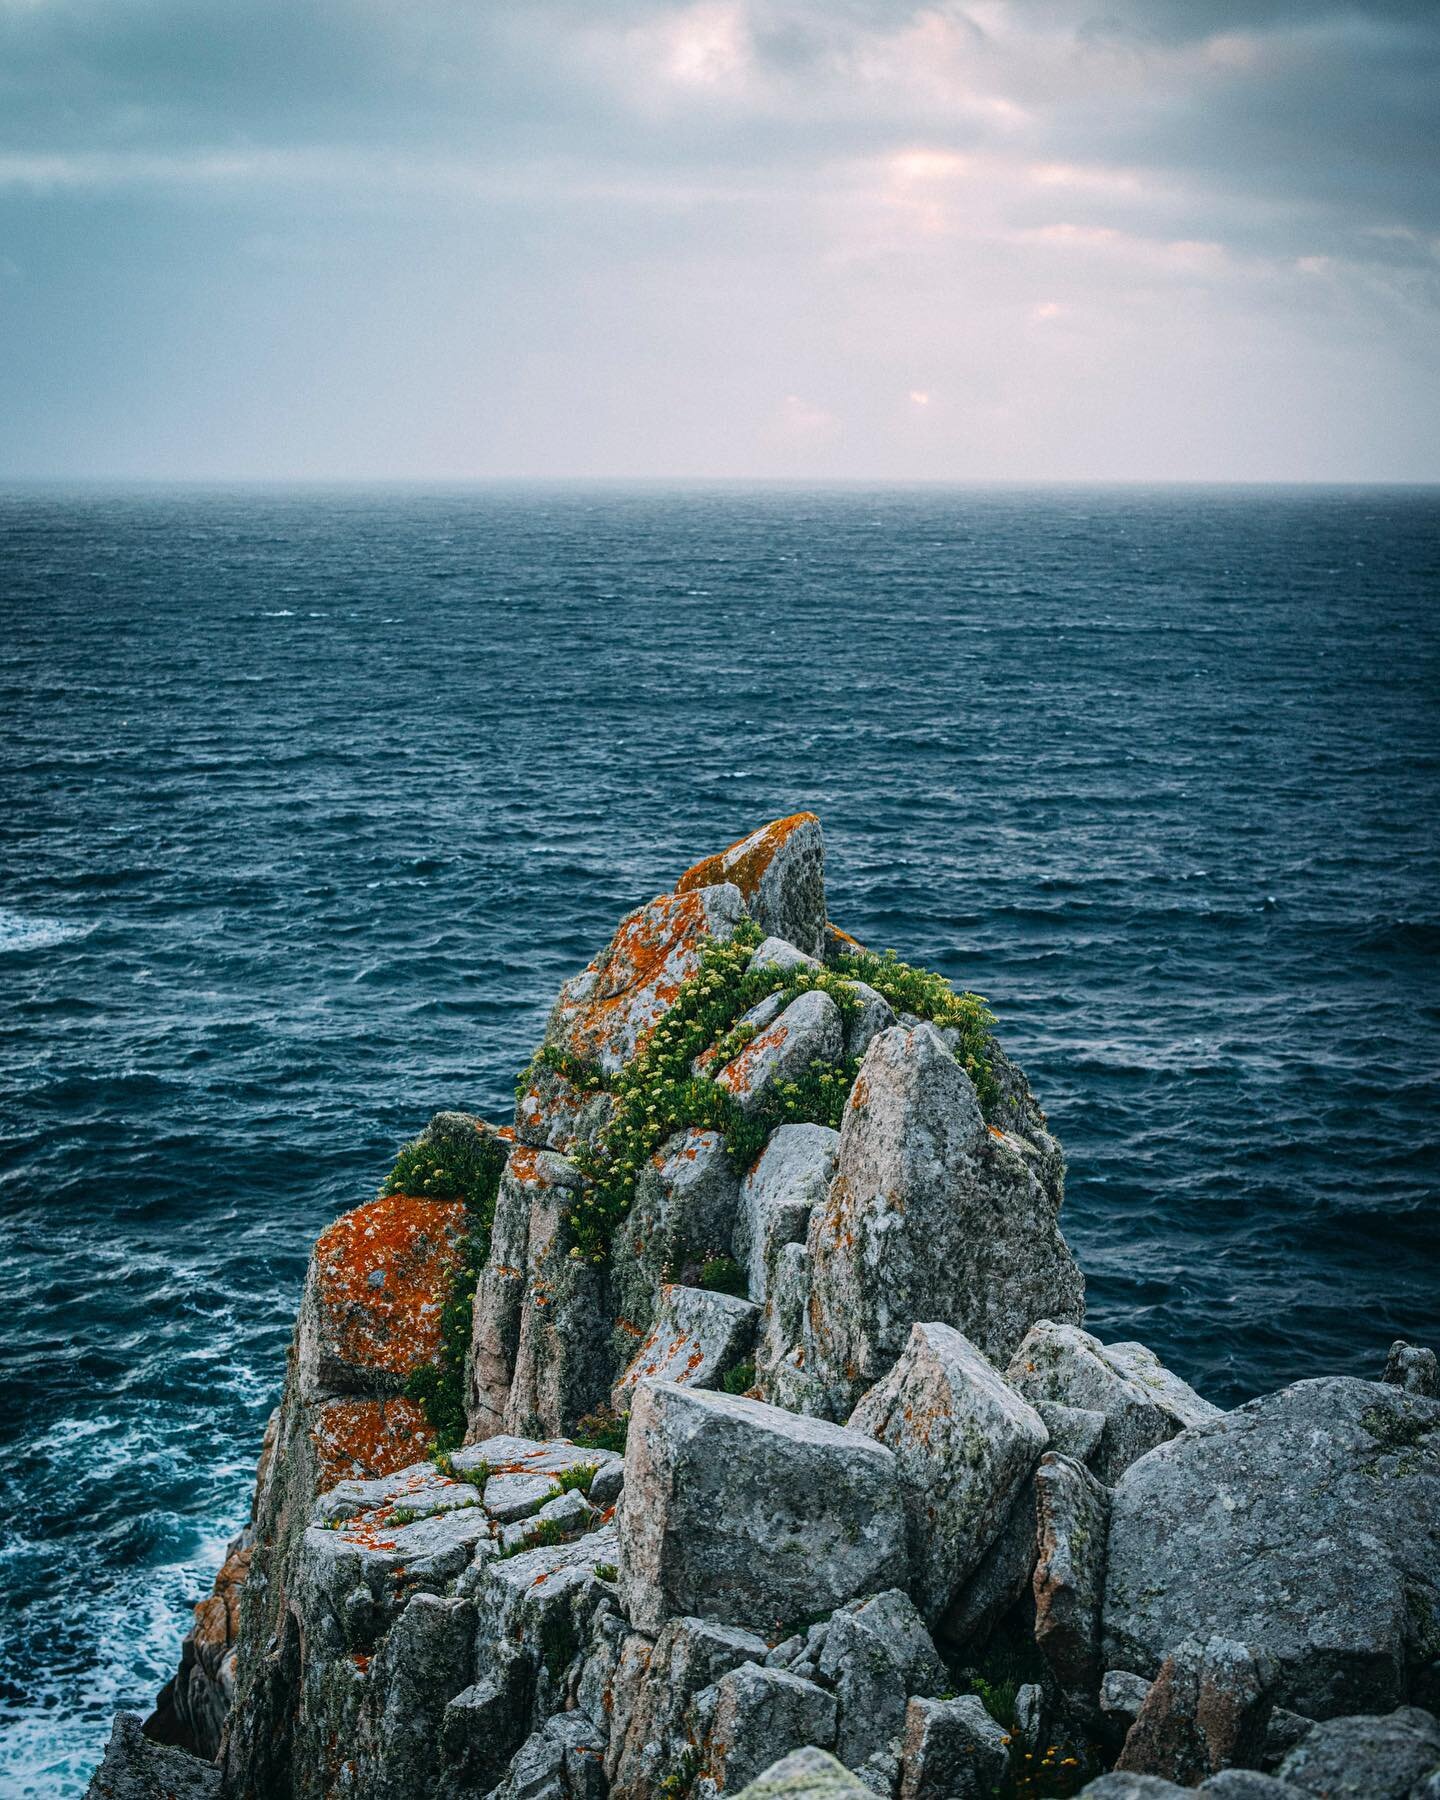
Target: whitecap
[284, 613]
[19, 933]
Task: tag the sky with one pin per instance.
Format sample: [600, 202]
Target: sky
[444, 240]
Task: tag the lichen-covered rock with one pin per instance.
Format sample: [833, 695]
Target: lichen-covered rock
[1003, 1575]
[1074, 1430]
[135, 1768]
[1206, 1710]
[755, 1716]
[809, 1030]
[751, 1514]
[1143, 1403]
[686, 1198]
[563, 1760]
[781, 1372]
[377, 1280]
[874, 1014]
[780, 871]
[876, 1654]
[696, 1337]
[1378, 1758]
[602, 1013]
[553, 1112]
[964, 1442]
[788, 1181]
[689, 1656]
[954, 1750]
[1306, 1523]
[928, 1218]
[807, 1774]
[1071, 1523]
[517, 1466]
[1413, 1368]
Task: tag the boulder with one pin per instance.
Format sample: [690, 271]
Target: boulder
[781, 1373]
[953, 1750]
[754, 1716]
[1206, 1710]
[1377, 1758]
[928, 1218]
[750, 1514]
[1143, 1403]
[788, 1181]
[602, 1013]
[563, 1760]
[689, 1656]
[553, 1112]
[875, 1655]
[874, 1015]
[1071, 1521]
[1074, 1430]
[965, 1444]
[1306, 1523]
[686, 1200]
[134, 1768]
[780, 871]
[807, 1774]
[696, 1337]
[370, 1314]
[1004, 1574]
[778, 953]
[1415, 1369]
[809, 1030]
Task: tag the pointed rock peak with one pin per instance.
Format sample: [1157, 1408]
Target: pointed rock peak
[780, 869]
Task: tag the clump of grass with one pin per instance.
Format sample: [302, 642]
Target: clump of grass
[740, 1379]
[679, 1781]
[580, 1476]
[603, 1429]
[723, 1275]
[542, 1532]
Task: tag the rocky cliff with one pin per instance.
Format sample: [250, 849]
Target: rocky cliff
[727, 1421]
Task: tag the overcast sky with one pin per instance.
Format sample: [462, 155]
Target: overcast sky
[799, 238]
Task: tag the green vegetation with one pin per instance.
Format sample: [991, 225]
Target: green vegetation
[657, 1093]
[578, 1477]
[681, 1779]
[466, 1167]
[740, 1379]
[603, 1429]
[606, 1572]
[723, 1275]
[538, 1533]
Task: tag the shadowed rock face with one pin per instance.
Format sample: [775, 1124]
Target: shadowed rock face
[1306, 1524]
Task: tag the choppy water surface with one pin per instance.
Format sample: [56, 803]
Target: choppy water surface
[310, 801]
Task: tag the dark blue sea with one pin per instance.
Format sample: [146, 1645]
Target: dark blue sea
[309, 800]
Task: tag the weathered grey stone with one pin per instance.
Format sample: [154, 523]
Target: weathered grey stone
[136, 1769]
[875, 1015]
[809, 1030]
[1248, 1784]
[778, 953]
[757, 1716]
[689, 1656]
[953, 1750]
[807, 1774]
[1074, 1430]
[1122, 1694]
[875, 1654]
[602, 1012]
[781, 1371]
[511, 1497]
[1003, 1576]
[790, 1178]
[1029, 1715]
[1206, 1710]
[563, 1760]
[780, 870]
[1143, 1403]
[420, 1489]
[1282, 1734]
[1306, 1523]
[686, 1198]
[696, 1336]
[1377, 1758]
[423, 1662]
[509, 1456]
[751, 1514]
[1071, 1520]
[1118, 1785]
[1415, 1369]
[928, 1218]
[965, 1443]
[552, 1112]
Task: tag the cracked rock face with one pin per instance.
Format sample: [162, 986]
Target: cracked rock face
[1306, 1524]
[750, 1514]
[930, 1218]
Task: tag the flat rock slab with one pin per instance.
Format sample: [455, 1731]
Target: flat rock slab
[696, 1336]
[508, 1459]
[420, 1489]
[750, 1514]
[965, 1443]
[1307, 1524]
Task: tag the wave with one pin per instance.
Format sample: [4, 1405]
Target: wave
[19, 933]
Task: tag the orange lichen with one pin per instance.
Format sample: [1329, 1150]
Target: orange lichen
[654, 950]
[360, 1439]
[380, 1272]
[747, 860]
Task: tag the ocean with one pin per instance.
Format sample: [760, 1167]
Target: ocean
[309, 800]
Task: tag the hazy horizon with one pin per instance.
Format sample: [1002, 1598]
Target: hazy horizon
[320, 241]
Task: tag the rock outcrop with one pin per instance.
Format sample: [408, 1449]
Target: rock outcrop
[727, 1424]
